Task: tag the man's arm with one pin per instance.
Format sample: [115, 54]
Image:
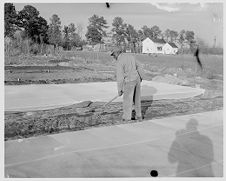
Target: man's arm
[140, 70]
[120, 77]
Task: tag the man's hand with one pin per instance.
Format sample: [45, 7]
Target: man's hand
[120, 93]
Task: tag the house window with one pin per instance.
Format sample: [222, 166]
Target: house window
[159, 48]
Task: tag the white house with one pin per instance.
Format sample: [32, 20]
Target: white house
[170, 48]
[153, 45]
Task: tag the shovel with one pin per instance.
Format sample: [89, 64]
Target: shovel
[106, 104]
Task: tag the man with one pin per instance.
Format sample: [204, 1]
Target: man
[129, 77]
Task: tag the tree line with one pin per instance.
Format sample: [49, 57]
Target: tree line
[34, 27]
[124, 34]
[31, 25]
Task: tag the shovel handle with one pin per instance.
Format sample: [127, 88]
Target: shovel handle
[110, 101]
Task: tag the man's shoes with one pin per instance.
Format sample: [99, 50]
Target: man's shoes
[133, 116]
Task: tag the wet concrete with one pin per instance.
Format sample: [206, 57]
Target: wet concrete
[183, 146]
[41, 97]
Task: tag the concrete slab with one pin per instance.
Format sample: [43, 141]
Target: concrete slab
[190, 145]
[41, 97]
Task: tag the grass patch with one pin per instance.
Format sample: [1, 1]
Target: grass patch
[79, 65]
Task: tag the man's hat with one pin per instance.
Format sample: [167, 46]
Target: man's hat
[116, 50]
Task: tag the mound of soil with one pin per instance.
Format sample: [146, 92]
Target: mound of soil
[88, 114]
[58, 60]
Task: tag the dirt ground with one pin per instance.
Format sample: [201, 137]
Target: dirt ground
[74, 70]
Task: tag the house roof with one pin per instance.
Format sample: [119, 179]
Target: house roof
[172, 44]
[160, 41]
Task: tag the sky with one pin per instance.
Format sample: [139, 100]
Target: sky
[205, 19]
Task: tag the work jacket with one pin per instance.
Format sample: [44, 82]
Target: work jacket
[128, 69]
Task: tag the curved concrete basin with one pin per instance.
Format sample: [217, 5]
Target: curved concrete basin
[47, 96]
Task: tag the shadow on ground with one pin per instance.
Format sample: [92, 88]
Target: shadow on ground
[192, 152]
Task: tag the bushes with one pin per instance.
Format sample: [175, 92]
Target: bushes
[22, 46]
[35, 49]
